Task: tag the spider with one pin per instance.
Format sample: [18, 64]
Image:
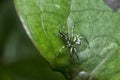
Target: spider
[71, 42]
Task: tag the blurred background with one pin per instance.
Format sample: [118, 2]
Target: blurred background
[19, 59]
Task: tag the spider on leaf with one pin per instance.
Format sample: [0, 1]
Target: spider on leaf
[71, 42]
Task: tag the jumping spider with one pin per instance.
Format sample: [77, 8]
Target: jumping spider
[71, 42]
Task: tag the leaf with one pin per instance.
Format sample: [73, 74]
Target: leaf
[43, 19]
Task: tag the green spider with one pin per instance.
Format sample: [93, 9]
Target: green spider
[71, 42]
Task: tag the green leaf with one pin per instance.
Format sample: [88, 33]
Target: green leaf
[43, 19]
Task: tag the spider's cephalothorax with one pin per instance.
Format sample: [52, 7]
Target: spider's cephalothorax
[71, 42]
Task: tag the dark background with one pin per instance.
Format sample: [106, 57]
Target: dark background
[19, 59]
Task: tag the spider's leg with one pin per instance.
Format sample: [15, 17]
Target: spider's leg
[61, 48]
[86, 41]
[75, 52]
[71, 52]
